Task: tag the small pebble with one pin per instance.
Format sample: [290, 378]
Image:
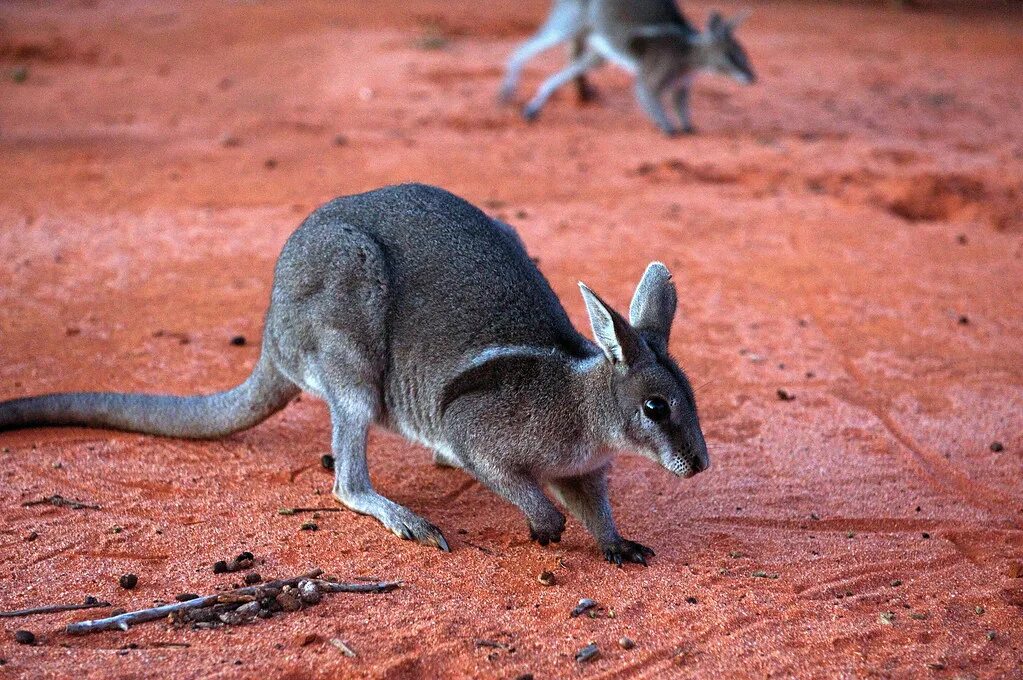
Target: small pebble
[310, 594]
[220, 567]
[253, 577]
[24, 637]
[229, 140]
[289, 601]
[270, 163]
[128, 581]
[547, 578]
[340, 140]
[991, 635]
[185, 597]
[587, 653]
[238, 341]
[785, 395]
[309, 526]
[584, 605]
[979, 610]
[887, 618]
[31, 536]
[626, 643]
[692, 600]
[305, 639]
[925, 535]
[964, 320]
[896, 583]
[997, 447]
[19, 74]
[91, 600]
[327, 461]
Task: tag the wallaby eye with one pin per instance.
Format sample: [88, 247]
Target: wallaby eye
[656, 409]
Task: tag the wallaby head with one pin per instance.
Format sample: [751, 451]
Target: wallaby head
[723, 53]
[654, 399]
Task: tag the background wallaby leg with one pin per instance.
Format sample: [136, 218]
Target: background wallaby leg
[586, 498]
[651, 103]
[351, 414]
[681, 98]
[584, 90]
[577, 68]
[564, 22]
[546, 523]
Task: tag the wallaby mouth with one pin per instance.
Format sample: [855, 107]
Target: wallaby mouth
[685, 467]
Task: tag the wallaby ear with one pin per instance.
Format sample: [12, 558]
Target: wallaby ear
[620, 342]
[737, 21]
[716, 22]
[654, 303]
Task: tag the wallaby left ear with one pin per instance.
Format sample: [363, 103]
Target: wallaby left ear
[620, 341]
[654, 303]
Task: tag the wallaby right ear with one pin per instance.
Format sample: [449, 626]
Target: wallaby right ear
[620, 341]
[654, 303]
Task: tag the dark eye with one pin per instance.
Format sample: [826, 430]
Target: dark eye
[656, 409]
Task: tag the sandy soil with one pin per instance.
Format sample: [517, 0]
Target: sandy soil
[849, 230]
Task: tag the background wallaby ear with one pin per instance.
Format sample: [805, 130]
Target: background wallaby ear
[716, 22]
[736, 21]
[654, 302]
[620, 342]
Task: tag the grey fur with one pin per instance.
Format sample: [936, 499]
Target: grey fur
[649, 38]
[410, 308]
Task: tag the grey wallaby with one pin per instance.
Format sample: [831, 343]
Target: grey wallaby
[648, 38]
[410, 308]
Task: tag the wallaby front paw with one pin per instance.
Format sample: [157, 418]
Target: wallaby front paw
[549, 532]
[624, 550]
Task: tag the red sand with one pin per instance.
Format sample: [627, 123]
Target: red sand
[828, 228]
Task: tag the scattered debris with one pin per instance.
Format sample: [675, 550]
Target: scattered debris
[30, 536]
[936, 666]
[19, 74]
[239, 341]
[850, 534]
[90, 603]
[59, 501]
[340, 140]
[229, 140]
[547, 578]
[785, 395]
[887, 618]
[252, 578]
[241, 562]
[185, 597]
[306, 639]
[964, 320]
[925, 535]
[345, 649]
[692, 600]
[128, 581]
[626, 643]
[1015, 570]
[584, 606]
[294, 511]
[233, 607]
[979, 610]
[918, 616]
[763, 574]
[24, 637]
[991, 635]
[309, 526]
[896, 583]
[270, 163]
[997, 447]
[736, 555]
[587, 653]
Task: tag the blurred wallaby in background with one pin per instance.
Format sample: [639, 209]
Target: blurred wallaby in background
[650, 39]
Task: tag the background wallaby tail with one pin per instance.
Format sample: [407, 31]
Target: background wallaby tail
[264, 393]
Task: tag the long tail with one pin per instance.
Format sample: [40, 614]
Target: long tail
[264, 393]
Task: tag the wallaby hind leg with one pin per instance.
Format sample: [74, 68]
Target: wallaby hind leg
[580, 66]
[650, 99]
[351, 412]
[586, 498]
[681, 99]
[584, 90]
[564, 22]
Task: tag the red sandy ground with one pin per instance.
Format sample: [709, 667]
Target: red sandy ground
[828, 229]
